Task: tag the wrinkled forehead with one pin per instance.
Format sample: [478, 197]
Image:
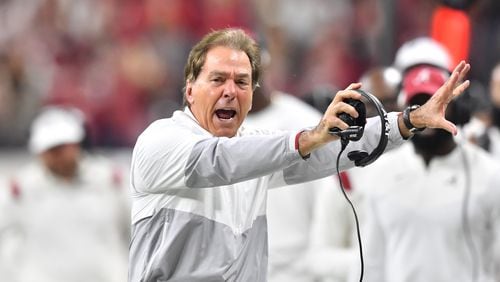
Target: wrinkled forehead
[224, 58]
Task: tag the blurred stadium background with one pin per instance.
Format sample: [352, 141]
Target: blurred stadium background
[121, 61]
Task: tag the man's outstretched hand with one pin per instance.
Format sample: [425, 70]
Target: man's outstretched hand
[432, 113]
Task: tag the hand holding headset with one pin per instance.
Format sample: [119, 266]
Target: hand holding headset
[356, 129]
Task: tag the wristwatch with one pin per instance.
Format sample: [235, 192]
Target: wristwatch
[406, 119]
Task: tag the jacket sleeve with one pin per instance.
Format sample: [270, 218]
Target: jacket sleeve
[179, 159]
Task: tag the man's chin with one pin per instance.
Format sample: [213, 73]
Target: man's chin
[225, 128]
[225, 133]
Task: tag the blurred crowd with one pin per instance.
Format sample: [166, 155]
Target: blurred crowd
[119, 65]
[121, 61]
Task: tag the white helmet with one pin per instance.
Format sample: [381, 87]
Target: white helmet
[56, 126]
[422, 50]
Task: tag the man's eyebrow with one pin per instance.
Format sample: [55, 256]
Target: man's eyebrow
[223, 73]
[242, 75]
[217, 73]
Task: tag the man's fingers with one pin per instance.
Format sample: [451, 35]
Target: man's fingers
[454, 85]
[346, 108]
[353, 86]
[450, 127]
[446, 125]
[462, 69]
[452, 80]
[464, 72]
[348, 93]
[461, 88]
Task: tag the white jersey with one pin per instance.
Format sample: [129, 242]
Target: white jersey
[199, 202]
[308, 223]
[415, 230]
[55, 231]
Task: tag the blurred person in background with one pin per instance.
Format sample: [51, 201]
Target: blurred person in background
[436, 215]
[427, 51]
[306, 242]
[65, 215]
[421, 51]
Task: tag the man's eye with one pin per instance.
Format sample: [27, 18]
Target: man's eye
[217, 79]
[242, 83]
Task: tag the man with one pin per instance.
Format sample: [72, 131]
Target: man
[62, 217]
[435, 217]
[199, 181]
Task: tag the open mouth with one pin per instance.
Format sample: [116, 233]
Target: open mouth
[225, 114]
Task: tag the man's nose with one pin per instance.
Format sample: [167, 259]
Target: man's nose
[229, 89]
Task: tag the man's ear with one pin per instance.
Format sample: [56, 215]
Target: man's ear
[188, 94]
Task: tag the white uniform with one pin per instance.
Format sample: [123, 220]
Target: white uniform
[199, 202]
[414, 230]
[306, 221]
[55, 231]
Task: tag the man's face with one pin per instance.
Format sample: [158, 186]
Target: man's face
[62, 160]
[221, 96]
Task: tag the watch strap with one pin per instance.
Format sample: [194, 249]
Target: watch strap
[407, 121]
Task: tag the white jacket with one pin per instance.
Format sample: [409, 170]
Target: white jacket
[414, 228]
[199, 202]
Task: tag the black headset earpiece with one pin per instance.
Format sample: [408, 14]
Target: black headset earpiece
[356, 129]
[356, 125]
[357, 156]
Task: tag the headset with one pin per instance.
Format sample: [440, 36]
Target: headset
[356, 129]
[354, 133]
